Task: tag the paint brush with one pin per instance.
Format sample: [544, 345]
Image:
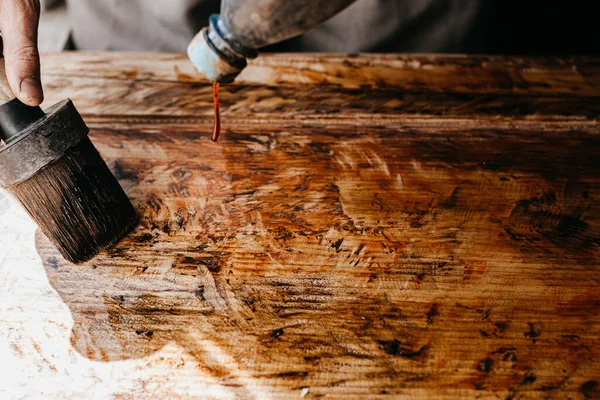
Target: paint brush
[50, 165]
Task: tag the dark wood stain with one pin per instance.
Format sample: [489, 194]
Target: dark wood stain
[589, 389]
[432, 313]
[438, 231]
[485, 365]
[216, 134]
[397, 348]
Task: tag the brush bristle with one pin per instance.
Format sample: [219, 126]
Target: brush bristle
[77, 203]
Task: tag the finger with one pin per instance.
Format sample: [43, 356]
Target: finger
[19, 26]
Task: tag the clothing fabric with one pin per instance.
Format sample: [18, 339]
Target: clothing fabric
[441, 26]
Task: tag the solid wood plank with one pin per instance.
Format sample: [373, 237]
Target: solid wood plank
[370, 88]
[352, 261]
[121, 98]
[437, 73]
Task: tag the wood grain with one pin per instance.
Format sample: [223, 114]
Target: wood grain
[574, 76]
[435, 234]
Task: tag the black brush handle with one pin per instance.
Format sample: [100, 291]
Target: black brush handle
[15, 117]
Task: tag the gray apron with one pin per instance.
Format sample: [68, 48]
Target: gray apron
[366, 26]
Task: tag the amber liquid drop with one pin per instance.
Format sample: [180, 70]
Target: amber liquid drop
[217, 125]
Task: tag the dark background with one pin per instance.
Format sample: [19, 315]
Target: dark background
[526, 27]
[543, 27]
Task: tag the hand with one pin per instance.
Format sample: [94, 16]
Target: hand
[19, 27]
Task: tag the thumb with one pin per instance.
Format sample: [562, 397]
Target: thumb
[19, 25]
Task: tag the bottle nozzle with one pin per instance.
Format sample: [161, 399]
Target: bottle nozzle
[217, 54]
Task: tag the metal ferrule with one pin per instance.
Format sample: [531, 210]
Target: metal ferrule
[41, 143]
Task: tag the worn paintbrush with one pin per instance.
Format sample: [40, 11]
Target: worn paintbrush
[49, 164]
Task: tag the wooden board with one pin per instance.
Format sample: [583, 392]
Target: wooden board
[368, 227]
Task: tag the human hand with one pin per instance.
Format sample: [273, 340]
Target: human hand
[19, 28]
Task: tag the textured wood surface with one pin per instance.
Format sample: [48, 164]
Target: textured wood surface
[367, 227]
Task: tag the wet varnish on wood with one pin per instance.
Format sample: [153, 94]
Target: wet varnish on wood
[367, 226]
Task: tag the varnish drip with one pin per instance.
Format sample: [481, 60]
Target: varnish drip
[217, 125]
